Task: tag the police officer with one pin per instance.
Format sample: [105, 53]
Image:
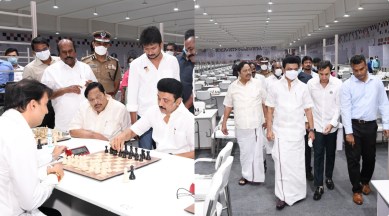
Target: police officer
[105, 67]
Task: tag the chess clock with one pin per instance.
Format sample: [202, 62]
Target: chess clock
[83, 150]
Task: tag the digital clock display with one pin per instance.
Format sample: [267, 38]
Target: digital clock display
[83, 150]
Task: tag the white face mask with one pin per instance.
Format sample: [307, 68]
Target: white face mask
[101, 50]
[291, 74]
[278, 72]
[263, 67]
[44, 55]
[169, 52]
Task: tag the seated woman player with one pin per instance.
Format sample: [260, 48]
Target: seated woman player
[101, 117]
[172, 123]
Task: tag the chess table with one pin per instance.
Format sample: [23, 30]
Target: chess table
[153, 192]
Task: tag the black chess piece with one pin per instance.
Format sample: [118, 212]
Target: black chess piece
[129, 155]
[132, 175]
[124, 155]
[148, 155]
[111, 150]
[136, 152]
[141, 158]
[136, 156]
[143, 153]
[106, 149]
[125, 148]
[131, 151]
[120, 154]
[39, 144]
[115, 152]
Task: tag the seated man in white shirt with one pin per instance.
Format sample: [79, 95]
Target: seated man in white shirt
[172, 123]
[24, 187]
[101, 117]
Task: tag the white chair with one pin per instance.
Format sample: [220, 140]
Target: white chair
[232, 78]
[198, 86]
[210, 80]
[224, 85]
[215, 90]
[202, 77]
[206, 186]
[199, 105]
[205, 96]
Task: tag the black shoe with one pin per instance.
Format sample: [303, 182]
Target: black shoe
[309, 176]
[318, 192]
[330, 184]
[280, 204]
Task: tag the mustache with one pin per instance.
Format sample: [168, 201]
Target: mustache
[162, 108]
[69, 58]
[190, 56]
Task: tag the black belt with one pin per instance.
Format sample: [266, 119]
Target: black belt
[362, 121]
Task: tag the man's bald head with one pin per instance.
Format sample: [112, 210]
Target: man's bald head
[67, 52]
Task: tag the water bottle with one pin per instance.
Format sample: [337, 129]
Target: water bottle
[49, 138]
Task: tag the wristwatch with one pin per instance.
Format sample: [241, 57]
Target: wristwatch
[311, 130]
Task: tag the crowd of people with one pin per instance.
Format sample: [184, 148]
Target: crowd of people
[298, 103]
[79, 97]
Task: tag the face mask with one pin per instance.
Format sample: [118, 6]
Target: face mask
[291, 74]
[169, 52]
[278, 72]
[100, 50]
[44, 55]
[263, 67]
[13, 60]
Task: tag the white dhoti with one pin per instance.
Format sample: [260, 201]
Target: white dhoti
[251, 154]
[289, 165]
[268, 145]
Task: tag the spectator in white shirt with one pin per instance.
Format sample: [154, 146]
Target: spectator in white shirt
[101, 117]
[146, 71]
[324, 91]
[23, 186]
[68, 79]
[246, 96]
[172, 123]
[286, 108]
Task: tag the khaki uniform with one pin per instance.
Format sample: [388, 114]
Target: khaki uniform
[106, 72]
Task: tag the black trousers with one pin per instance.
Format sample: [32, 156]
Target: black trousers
[323, 145]
[308, 155]
[365, 135]
[49, 119]
[49, 211]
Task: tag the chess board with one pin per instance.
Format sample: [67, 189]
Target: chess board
[102, 166]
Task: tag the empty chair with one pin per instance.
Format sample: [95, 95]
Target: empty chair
[215, 90]
[205, 186]
[210, 80]
[202, 77]
[198, 86]
[205, 96]
[224, 86]
[232, 78]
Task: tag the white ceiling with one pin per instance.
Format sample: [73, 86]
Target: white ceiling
[242, 23]
[115, 12]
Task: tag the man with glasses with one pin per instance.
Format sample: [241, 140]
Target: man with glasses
[172, 123]
[101, 117]
[106, 68]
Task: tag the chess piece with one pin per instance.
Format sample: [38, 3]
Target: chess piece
[111, 150]
[136, 157]
[125, 148]
[143, 153]
[136, 152]
[129, 155]
[131, 151]
[140, 158]
[120, 153]
[148, 155]
[132, 175]
[39, 144]
[124, 155]
[106, 149]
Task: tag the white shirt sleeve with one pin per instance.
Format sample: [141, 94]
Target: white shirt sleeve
[271, 97]
[78, 118]
[144, 123]
[307, 100]
[190, 134]
[228, 102]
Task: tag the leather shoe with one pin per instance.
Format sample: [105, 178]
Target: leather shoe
[318, 192]
[366, 189]
[330, 184]
[309, 176]
[358, 199]
[280, 204]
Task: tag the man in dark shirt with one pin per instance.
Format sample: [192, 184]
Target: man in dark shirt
[186, 61]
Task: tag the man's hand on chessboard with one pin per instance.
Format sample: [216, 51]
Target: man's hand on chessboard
[117, 142]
